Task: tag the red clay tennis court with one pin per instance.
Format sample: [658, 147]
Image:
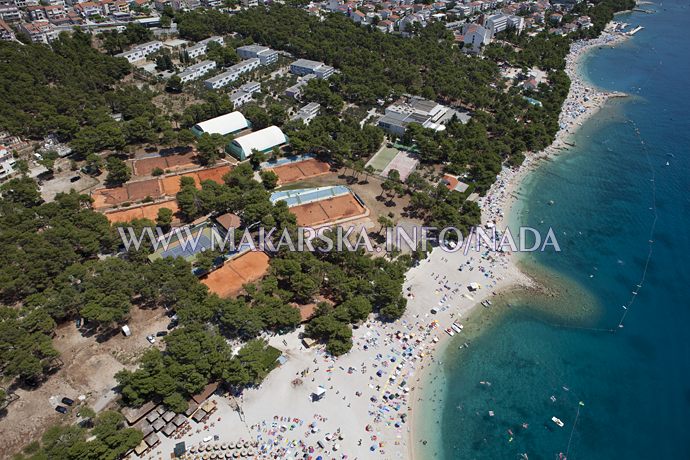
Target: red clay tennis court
[147, 211]
[293, 172]
[215, 174]
[330, 210]
[228, 280]
[154, 188]
[146, 188]
[106, 197]
[145, 166]
[171, 184]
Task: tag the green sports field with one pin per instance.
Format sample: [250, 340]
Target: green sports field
[382, 158]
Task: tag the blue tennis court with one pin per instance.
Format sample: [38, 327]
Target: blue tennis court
[308, 195]
[189, 248]
[286, 160]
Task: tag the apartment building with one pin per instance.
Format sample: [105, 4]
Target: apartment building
[295, 90]
[265, 54]
[200, 48]
[196, 71]
[6, 32]
[307, 113]
[7, 162]
[306, 66]
[10, 13]
[140, 52]
[233, 73]
[39, 31]
[244, 93]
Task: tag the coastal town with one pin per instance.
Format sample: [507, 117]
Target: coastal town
[204, 119]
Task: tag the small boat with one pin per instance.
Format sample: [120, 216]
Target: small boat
[450, 332]
[458, 327]
[488, 302]
[485, 304]
[557, 421]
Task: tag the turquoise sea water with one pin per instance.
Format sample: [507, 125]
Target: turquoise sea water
[634, 383]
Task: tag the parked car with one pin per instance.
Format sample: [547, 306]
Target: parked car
[151, 339]
[67, 401]
[161, 333]
[61, 409]
[74, 178]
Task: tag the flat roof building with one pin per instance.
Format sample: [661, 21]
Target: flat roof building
[263, 141]
[307, 113]
[265, 54]
[233, 73]
[196, 71]
[306, 66]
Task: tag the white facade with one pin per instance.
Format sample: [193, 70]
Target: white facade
[200, 48]
[500, 22]
[7, 162]
[239, 98]
[40, 31]
[149, 47]
[139, 52]
[196, 71]
[233, 73]
[265, 54]
[132, 56]
[307, 113]
[306, 66]
[244, 93]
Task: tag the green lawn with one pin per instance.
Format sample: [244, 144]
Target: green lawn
[382, 158]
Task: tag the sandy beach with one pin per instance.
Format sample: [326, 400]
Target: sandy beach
[369, 392]
[583, 101]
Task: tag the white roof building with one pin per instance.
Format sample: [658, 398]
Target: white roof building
[262, 141]
[225, 124]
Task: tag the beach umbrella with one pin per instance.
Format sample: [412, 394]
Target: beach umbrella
[232, 445]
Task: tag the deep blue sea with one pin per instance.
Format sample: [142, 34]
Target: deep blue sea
[634, 383]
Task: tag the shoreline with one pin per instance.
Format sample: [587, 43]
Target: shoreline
[584, 100]
[370, 402]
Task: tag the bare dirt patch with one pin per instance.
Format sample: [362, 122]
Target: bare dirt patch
[89, 369]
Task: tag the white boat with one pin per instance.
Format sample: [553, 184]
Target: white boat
[458, 325]
[456, 328]
[450, 332]
[557, 421]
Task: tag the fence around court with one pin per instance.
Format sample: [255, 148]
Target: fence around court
[304, 196]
